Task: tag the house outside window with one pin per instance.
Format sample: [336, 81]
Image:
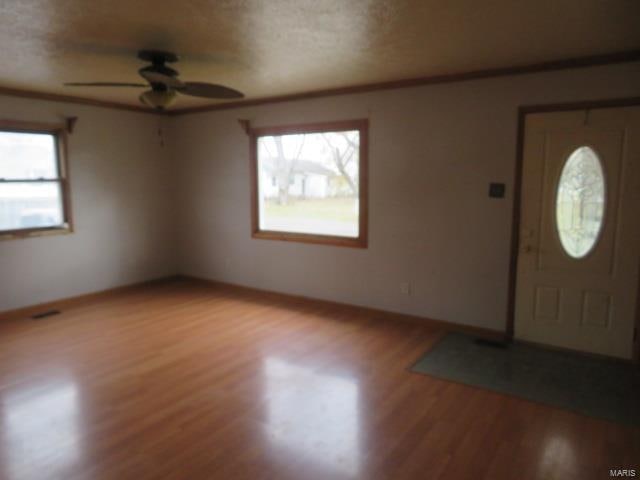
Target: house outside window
[309, 183]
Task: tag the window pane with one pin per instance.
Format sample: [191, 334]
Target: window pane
[27, 156]
[30, 205]
[580, 202]
[308, 183]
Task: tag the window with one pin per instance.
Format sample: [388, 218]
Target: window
[580, 202]
[34, 191]
[309, 183]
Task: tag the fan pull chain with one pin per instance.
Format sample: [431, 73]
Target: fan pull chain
[160, 133]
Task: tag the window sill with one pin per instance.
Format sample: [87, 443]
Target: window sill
[311, 238]
[35, 232]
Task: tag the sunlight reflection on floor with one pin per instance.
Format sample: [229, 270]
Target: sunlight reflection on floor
[36, 419]
[314, 413]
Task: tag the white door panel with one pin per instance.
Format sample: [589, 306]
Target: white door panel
[585, 303]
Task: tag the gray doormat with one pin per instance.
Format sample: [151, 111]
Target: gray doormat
[595, 387]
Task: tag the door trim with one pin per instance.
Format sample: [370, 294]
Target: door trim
[523, 111]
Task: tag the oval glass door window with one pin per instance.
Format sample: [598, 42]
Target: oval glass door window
[580, 202]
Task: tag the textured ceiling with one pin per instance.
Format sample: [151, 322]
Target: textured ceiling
[274, 47]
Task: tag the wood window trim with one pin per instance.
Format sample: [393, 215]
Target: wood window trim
[59, 133]
[362, 126]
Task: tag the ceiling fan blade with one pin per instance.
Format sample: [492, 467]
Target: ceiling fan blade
[209, 90]
[104, 84]
[157, 77]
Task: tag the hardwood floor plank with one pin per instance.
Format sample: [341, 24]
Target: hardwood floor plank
[183, 380]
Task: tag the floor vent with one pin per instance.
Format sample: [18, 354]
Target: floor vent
[48, 313]
[485, 342]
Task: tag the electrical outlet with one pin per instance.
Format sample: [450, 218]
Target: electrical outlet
[405, 288]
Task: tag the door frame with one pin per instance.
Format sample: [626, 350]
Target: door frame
[523, 111]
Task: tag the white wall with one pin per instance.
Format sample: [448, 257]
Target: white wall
[121, 200]
[433, 151]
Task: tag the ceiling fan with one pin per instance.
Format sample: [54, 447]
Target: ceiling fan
[164, 82]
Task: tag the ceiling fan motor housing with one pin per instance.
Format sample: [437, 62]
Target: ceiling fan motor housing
[155, 72]
[163, 69]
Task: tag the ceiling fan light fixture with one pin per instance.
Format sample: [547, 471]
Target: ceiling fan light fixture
[159, 99]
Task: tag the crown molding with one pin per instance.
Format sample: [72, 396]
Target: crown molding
[569, 63]
[578, 62]
[55, 97]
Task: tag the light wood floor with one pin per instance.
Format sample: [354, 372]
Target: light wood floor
[184, 381]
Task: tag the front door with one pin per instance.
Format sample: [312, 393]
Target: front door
[579, 251]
